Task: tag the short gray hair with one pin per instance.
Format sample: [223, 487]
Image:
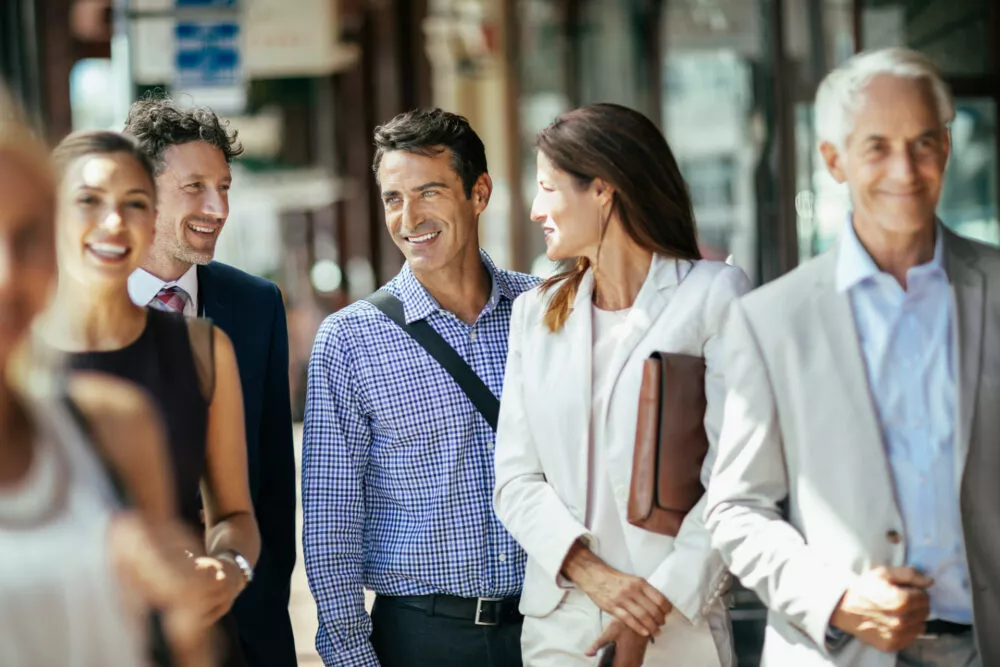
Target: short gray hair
[838, 97]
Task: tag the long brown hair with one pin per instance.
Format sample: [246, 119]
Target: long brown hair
[626, 150]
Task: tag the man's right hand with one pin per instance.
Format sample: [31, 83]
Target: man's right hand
[886, 608]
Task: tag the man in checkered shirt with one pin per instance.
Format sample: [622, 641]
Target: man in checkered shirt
[397, 466]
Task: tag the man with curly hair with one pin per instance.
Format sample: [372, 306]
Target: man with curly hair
[192, 150]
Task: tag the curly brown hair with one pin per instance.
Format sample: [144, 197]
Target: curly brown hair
[158, 123]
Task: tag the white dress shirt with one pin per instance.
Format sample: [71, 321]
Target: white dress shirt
[143, 287]
[907, 339]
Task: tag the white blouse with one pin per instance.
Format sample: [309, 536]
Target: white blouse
[60, 603]
[603, 518]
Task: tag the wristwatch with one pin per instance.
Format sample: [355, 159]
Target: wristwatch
[237, 559]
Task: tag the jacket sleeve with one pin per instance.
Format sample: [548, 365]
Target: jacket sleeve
[693, 576]
[749, 481]
[524, 501]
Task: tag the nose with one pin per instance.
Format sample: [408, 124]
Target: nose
[903, 166]
[6, 267]
[216, 204]
[538, 212]
[113, 220]
[412, 215]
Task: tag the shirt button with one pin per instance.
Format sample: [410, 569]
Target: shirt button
[472, 335]
[894, 537]
[502, 557]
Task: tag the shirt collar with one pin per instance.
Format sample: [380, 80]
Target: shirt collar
[855, 265]
[143, 286]
[419, 304]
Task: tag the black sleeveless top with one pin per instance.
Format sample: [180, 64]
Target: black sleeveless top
[161, 362]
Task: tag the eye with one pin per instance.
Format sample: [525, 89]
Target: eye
[429, 193]
[139, 205]
[193, 187]
[392, 201]
[86, 200]
[225, 188]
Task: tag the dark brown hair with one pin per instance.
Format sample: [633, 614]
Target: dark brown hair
[627, 151]
[429, 132]
[100, 142]
[159, 123]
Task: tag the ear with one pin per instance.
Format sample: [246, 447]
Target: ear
[481, 192]
[603, 190]
[946, 143]
[834, 160]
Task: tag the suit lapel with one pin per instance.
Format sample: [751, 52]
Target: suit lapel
[210, 303]
[969, 289]
[846, 366]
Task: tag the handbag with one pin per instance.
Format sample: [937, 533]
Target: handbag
[475, 389]
[670, 443]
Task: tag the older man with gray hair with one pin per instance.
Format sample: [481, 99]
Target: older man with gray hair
[856, 487]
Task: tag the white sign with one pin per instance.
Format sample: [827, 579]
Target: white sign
[278, 39]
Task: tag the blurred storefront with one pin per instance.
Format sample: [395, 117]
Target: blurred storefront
[730, 82]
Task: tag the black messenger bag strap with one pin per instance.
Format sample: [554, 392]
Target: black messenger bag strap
[436, 346]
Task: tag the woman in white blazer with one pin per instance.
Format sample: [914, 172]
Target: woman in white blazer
[613, 205]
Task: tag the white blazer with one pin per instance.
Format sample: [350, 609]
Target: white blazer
[545, 416]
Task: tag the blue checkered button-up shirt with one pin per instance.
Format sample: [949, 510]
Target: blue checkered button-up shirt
[397, 464]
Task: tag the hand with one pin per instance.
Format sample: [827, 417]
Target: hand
[149, 560]
[630, 648]
[220, 582]
[886, 608]
[632, 600]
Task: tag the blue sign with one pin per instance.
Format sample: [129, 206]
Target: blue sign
[208, 54]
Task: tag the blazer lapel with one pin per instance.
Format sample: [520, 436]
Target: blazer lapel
[209, 302]
[846, 366]
[653, 297]
[968, 284]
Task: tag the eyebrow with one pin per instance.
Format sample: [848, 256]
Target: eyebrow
[420, 188]
[201, 177]
[95, 188]
[931, 132]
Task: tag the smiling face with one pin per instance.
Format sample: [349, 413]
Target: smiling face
[106, 218]
[570, 213]
[427, 213]
[193, 204]
[894, 159]
[27, 249]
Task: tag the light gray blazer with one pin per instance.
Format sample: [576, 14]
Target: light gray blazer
[800, 426]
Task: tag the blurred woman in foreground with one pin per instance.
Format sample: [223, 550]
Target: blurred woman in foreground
[77, 572]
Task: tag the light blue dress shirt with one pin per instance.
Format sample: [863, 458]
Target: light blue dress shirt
[908, 341]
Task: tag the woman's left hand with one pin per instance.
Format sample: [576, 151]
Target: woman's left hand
[221, 583]
[630, 647]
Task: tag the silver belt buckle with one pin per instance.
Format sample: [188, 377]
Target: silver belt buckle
[479, 611]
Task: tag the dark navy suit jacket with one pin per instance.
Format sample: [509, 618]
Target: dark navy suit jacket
[251, 312]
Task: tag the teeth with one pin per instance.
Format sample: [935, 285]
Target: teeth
[424, 237]
[203, 230]
[109, 249]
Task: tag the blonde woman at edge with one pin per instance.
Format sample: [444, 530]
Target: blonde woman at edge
[77, 570]
[611, 202]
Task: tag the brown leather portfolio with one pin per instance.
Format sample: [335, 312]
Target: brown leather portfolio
[670, 442]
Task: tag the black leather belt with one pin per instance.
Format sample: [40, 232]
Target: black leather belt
[480, 611]
[937, 628]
